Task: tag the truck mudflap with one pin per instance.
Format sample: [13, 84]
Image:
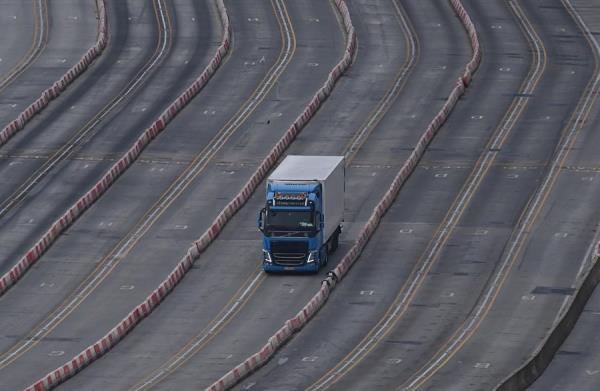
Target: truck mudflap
[312, 267]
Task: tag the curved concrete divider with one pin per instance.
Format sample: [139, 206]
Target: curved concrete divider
[296, 323]
[60, 85]
[541, 358]
[104, 344]
[77, 209]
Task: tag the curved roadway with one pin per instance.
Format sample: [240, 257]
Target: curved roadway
[134, 39]
[71, 28]
[18, 26]
[409, 56]
[576, 365]
[276, 298]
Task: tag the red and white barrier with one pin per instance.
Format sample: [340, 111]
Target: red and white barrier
[99, 348]
[60, 85]
[296, 323]
[77, 209]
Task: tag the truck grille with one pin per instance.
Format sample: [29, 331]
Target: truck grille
[289, 253]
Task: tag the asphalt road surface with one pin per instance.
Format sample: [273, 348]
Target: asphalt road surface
[464, 276]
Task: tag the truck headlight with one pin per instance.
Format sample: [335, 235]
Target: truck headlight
[312, 256]
[267, 256]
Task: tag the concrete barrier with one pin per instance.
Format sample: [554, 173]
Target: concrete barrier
[104, 344]
[60, 85]
[543, 355]
[296, 323]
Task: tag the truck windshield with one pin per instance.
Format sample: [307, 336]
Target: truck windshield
[289, 221]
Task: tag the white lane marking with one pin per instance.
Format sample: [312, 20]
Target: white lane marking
[367, 293]
[56, 353]
[310, 359]
[282, 360]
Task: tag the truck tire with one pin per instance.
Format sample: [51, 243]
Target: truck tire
[335, 240]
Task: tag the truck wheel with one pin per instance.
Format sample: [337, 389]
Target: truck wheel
[335, 241]
[325, 257]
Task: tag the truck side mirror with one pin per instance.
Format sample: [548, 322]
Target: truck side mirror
[261, 220]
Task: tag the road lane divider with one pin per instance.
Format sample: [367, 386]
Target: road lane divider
[79, 207]
[61, 85]
[295, 324]
[104, 344]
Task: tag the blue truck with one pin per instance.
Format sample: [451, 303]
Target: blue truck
[302, 219]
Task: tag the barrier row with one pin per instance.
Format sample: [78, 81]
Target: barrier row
[296, 323]
[104, 344]
[60, 85]
[77, 209]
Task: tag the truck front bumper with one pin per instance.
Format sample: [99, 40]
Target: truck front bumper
[270, 267]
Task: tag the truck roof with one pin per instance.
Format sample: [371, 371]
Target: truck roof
[304, 168]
